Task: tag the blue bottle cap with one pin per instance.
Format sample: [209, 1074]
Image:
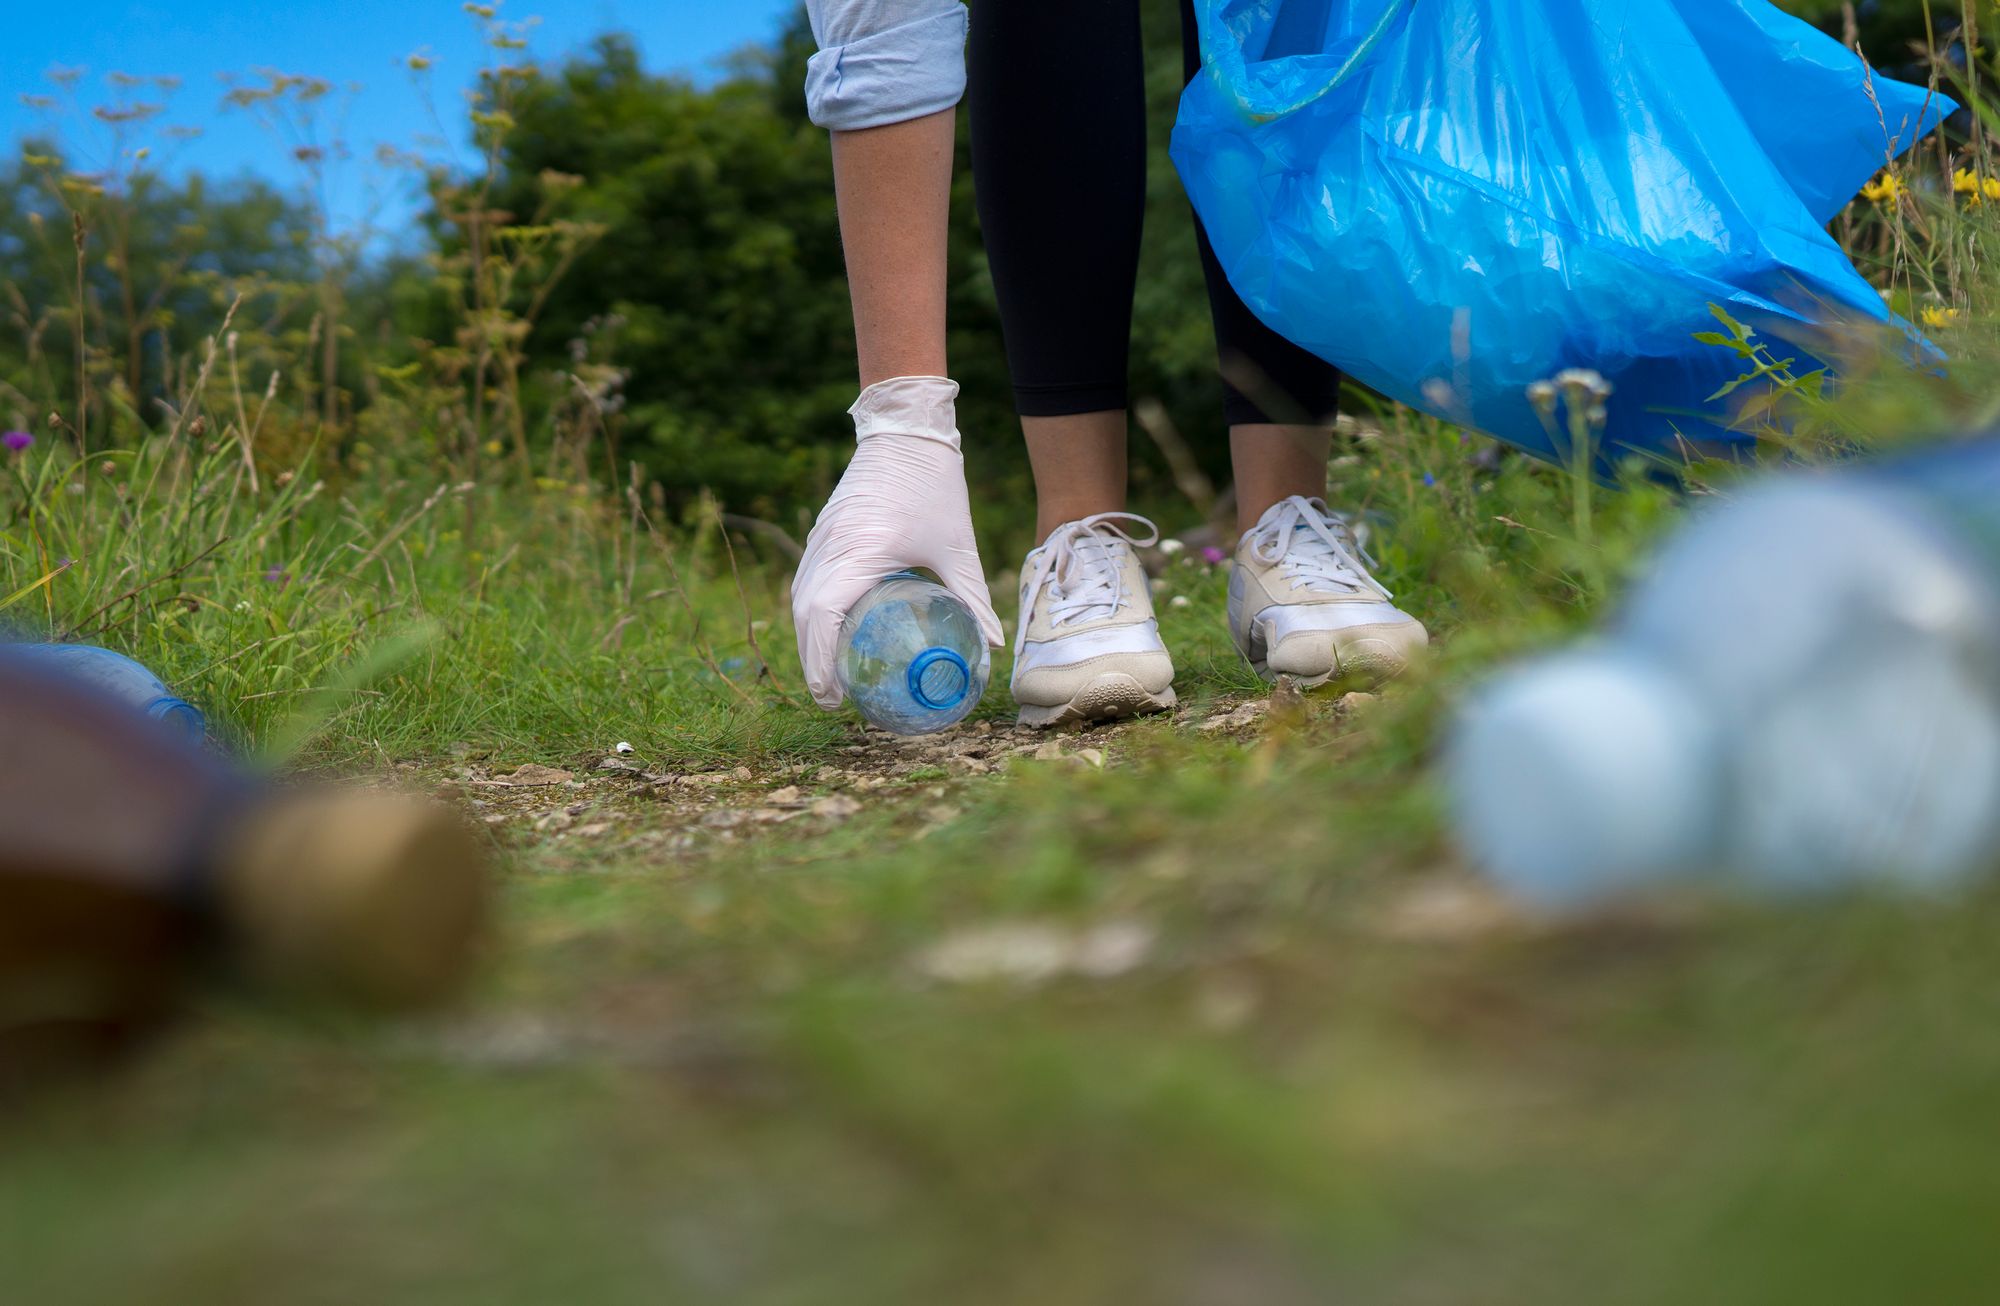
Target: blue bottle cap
[939, 679]
[179, 715]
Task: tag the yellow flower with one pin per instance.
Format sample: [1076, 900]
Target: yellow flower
[1933, 316]
[1980, 189]
[491, 448]
[1884, 189]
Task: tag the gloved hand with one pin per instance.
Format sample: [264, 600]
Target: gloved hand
[900, 504]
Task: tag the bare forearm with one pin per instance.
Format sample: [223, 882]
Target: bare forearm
[894, 186]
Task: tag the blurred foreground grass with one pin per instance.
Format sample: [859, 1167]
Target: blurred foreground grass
[1221, 1022]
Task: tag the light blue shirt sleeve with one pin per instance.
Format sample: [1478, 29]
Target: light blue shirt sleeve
[884, 61]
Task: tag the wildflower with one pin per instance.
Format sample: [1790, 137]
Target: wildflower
[1578, 383]
[1934, 316]
[277, 575]
[16, 441]
[1542, 394]
[1171, 547]
[1430, 481]
[1967, 182]
[1213, 556]
[1884, 189]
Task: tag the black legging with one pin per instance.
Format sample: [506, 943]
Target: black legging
[1057, 94]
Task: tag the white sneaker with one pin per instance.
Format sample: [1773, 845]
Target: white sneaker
[1088, 648]
[1301, 601]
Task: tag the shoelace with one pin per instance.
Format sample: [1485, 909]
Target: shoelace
[1315, 545]
[1078, 573]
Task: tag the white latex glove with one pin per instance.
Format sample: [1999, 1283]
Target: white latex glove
[900, 504]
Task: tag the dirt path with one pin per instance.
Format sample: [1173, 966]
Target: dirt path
[620, 797]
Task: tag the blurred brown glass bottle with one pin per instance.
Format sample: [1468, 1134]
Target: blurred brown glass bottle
[130, 861]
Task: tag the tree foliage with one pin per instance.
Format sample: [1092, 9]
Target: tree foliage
[719, 274]
[163, 259]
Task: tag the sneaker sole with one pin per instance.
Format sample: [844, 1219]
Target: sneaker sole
[1107, 698]
[1363, 669]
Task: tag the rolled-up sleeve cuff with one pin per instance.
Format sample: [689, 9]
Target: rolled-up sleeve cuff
[892, 76]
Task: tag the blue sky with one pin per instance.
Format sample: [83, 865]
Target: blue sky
[344, 41]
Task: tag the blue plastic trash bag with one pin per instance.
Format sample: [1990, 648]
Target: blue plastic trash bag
[1452, 199]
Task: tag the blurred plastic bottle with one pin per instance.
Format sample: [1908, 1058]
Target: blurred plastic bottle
[1804, 694]
[131, 859]
[911, 658]
[116, 675]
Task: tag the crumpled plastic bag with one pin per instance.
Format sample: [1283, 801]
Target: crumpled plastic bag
[1452, 199]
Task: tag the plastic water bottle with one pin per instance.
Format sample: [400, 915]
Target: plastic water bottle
[117, 676]
[1804, 694]
[911, 658]
[128, 853]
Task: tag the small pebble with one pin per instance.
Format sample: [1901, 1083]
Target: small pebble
[836, 806]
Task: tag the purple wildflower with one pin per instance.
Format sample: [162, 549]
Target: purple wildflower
[16, 441]
[1430, 480]
[1212, 555]
[276, 575]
